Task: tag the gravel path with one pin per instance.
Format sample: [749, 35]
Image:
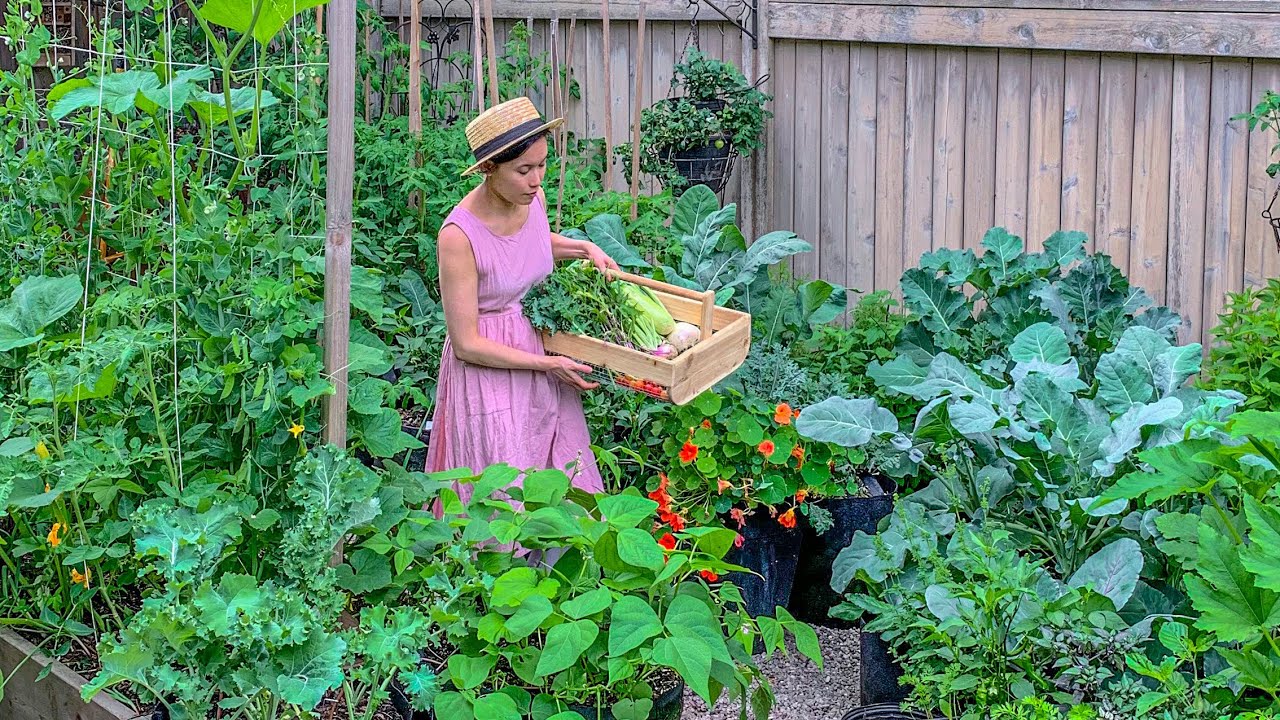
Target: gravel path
[802, 691]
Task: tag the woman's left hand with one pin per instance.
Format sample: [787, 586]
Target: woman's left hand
[600, 258]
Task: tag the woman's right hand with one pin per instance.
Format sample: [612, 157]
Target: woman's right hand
[567, 370]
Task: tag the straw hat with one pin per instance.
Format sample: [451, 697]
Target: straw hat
[503, 126]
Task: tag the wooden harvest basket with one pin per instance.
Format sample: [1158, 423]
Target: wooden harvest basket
[725, 340]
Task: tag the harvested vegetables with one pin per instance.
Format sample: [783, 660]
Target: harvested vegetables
[577, 299]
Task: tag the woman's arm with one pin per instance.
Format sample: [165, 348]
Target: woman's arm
[459, 288]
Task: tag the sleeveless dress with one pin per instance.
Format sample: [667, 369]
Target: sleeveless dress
[523, 418]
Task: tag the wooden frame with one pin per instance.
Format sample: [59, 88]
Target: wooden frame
[54, 697]
[726, 338]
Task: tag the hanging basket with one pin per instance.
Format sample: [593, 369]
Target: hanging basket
[708, 164]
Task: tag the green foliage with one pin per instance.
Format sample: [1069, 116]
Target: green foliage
[559, 598]
[1266, 114]
[1243, 358]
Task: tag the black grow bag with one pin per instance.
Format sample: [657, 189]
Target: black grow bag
[813, 597]
[881, 676]
[770, 550]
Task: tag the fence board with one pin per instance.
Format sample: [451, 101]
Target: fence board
[1044, 190]
[1080, 143]
[1189, 145]
[1012, 138]
[919, 182]
[949, 148]
[860, 218]
[784, 65]
[832, 241]
[891, 99]
[1228, 178]
[980, 146]
[1117, 80]
[1151, 129]
[807, 157]
[1262, 254]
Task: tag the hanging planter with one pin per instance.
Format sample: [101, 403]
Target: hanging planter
[694, 138]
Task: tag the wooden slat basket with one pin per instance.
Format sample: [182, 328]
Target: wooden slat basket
[721, 349]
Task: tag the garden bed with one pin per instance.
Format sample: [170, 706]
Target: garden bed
[56, 696]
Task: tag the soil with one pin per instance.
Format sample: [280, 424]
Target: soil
[801, 690]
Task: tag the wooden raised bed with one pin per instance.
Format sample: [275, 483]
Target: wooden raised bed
[56, 696]
[726, 338]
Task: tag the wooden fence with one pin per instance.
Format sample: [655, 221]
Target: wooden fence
[902, 127]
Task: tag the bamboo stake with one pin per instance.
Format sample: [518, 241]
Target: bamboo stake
[528, 24]
[368, 89]
[477, 58]
[553, 36]
[635, 118]
[568, 79]
[338, 196]
[415, 67]
[608, 101]
[320, 19]
[491, 52]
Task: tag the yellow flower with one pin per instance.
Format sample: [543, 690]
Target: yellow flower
[296, 429]
[42, 450]
[79, 579]
[54, 540]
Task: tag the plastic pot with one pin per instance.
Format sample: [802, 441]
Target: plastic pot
[773, 552]
[813, 597]
[706, 165]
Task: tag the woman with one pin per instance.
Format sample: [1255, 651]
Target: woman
[500, 398]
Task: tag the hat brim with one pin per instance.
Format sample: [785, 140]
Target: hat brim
[549, 125]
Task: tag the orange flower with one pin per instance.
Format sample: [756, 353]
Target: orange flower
[782, 414]
[54, 539]
[738, 515]
[797, 452]
[708, 575]
[801, 494]
[79, 579]
[675, 521]
[766, 448]
[788, 518]
[795, 414]
[688, 453]
[668, 542]
[723, 485]
[706, 424]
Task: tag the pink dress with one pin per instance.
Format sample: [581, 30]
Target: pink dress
[523, 418]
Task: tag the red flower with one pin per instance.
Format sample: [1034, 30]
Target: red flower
[706, 424]
[676, 522]
[788, 518]
[738, 540]
[738, 515]
[766, 447]
[801, 494]
[782, 414]
[708, 575]
[688, 453]
[668, 542]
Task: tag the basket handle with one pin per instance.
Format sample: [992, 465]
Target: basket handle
[706, 297]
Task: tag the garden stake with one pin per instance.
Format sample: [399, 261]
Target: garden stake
[608, 104]
[491, 51]
[553, 34]
[568, 81]
[477, 81]
[635, 119]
